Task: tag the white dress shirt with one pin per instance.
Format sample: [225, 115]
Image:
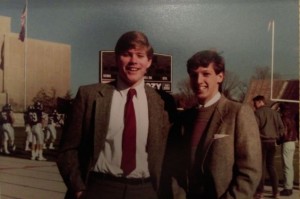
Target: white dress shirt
[109, 160]
[211, 101]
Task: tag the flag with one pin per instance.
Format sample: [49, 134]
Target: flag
[23, 23]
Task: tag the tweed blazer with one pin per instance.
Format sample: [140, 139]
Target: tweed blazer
[229, 154]
[87, 128]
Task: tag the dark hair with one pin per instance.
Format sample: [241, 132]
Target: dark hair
[133, 40]
[258, 98]
[204, 58]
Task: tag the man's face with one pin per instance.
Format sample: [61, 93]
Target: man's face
[205, 82]
[133, 65]
[258, 104]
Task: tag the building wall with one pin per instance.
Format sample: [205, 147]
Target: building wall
[5, 27]
[5, 24]
[47, 67]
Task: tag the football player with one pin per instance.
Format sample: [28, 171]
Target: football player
[53, 119]
[8, 133]
[28, 131]
[35, 118]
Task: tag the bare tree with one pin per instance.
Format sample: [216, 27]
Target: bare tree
[48, 99]
[64, 104]
[233, 88]
[264, 72]
[184, 87]
[68, 95]
[185, 98]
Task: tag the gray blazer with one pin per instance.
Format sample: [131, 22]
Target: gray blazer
[229, 155]
[87, 128]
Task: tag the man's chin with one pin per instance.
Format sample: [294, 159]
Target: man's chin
[201, 97]
[132, 81]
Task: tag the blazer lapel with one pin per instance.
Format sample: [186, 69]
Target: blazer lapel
[215, 125]
[102, 115]
[155, 135]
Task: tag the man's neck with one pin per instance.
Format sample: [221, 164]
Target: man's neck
[213, 100]
[121, 85]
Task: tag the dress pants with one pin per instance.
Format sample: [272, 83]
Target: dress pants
[288, 150]
[101, 188]
[268, 160]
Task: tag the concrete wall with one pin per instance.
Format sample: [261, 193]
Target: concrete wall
[48, 66]
[5, 27]
[5, 24]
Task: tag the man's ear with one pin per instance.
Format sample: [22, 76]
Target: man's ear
[220, 77]
[149, 63]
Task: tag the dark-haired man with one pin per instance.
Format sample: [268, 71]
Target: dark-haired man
[271, 128]
[220, 146]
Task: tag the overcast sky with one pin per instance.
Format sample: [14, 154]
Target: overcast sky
[238, 28]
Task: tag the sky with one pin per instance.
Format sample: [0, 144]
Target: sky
[237, 28]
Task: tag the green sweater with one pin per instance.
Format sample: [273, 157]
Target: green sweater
[270, 124]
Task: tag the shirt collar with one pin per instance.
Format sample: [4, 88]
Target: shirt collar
[211, 101]
[123, 88]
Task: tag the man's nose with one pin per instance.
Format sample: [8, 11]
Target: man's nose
[199, 79]
[133, 58]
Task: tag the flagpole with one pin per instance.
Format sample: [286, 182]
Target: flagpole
[272, 57]
[25, 57]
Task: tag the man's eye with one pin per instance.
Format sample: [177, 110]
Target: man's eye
[141, 55]
[193, 75]
[206, 74]
[125, 54]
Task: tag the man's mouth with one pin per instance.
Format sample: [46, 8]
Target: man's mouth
[200, 89]
[132, 69]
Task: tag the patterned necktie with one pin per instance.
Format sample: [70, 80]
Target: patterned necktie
[128, 163]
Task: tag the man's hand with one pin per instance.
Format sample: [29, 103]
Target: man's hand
[79, 195]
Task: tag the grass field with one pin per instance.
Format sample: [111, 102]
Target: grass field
[20, 137]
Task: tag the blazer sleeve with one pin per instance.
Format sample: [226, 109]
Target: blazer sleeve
[248, 159]
[67, 160]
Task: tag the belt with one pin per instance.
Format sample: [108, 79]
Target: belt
[109, 177]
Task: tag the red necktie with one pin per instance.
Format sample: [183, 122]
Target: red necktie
[129, 136]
